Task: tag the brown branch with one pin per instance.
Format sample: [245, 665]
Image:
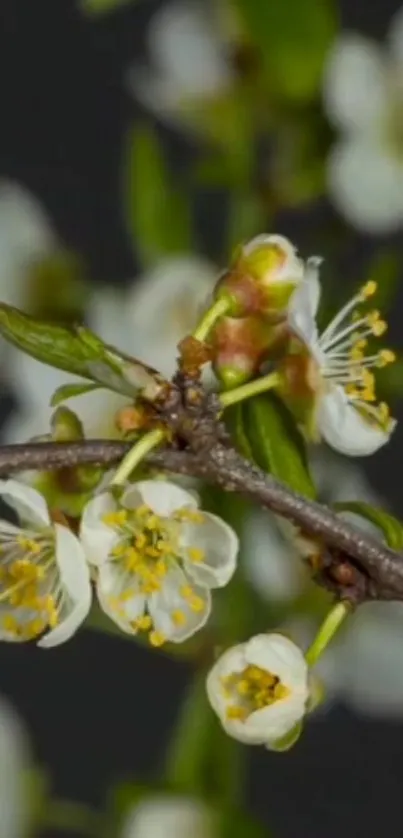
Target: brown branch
[224, 467]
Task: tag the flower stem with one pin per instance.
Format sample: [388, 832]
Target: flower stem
[252, 388]
[330, 625]
[217, 310]
[136, 454]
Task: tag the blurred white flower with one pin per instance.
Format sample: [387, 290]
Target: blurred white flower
[157, 557]
[169, 816]
[44, 578]
[25, 235]
[338, 375]
[187, 56]
[259, 689]
[14, 765]
[165, 305]
[272, 563]
[363, 93]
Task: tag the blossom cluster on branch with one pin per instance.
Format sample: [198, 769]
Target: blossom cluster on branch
[142, 540]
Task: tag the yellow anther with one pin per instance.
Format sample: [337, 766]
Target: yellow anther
[186, 591]
[368, 290]
[119, 550]
[115, 519]
[378, 326]
[196, 555]
[9, 623]
[281, 691]
[178, 617]
[153, 522]
[34, 628]
[142, 510]
[243, 687]
[151, 586]
[140, 541]
[157, 638]
[161, 567]
[236, 712]
[131, 559]
[386, 356]
[192, 515]
[143, 623]
[28, 544]
[196, 603]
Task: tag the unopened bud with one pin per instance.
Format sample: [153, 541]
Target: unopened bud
[239, 348]
[262, 277]
[65, 425]
[131, 418]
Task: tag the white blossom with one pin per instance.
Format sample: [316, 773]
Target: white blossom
[157, 557]
[339, 372]
[169, 816]
[363, 94]
[271, 561]
[14, 764]
[259, 689]
[188, 60]
[44, 578]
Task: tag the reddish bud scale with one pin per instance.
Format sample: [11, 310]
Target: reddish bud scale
[240, 345]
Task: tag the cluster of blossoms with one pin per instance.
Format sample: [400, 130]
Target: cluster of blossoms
[327, 379]
[151, 555]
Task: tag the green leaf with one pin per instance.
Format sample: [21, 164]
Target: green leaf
[276, 444]
[158, 210]
[385, 270]
[69, 391]
[391, 528]
[235, 422]
[292, 38]
[81, 352]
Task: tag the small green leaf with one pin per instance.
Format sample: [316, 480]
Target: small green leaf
[292, 38]
[235, 422]
[158, 210]
[81, 352]
[391, 528]
[69, 391]
[276, 444]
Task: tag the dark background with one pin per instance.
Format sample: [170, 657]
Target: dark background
[100, 709]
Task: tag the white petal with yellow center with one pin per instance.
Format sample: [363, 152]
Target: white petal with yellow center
[155, 561]
[259, 689]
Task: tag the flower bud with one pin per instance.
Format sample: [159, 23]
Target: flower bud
[262, 277]
[239, 347]
[65, 425]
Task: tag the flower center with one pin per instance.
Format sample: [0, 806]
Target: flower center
[147, 549]
[31, 597]
[250, 690]
[345, 360]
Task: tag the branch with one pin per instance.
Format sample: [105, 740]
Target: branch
[224, 467]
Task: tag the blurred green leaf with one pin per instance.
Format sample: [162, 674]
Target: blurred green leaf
[293, 38]
[385, 270]
[246, 216]
[100, 7]
[276, 444]
[158, 209]
[235, 422]
[79, 351]
[68, 391]
[390, 379]
[391, 528]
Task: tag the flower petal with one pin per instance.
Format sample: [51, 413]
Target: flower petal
[111, 583]
[76, 585]
[169, 816]
[233, 661]
[280, 656]
[273, 722]
[166, 605]
[365, 182]
[29, 504]
[304, 303]
[345, 429]
[355, 84]
[270, 560]
[97, 538]
[220, 545]
[163, 497]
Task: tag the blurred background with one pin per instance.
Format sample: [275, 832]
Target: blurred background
[140, 142]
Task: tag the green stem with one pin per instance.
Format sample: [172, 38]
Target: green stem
[217, 310]
[136, 454]
[330, 625]
[73, 817]
[252, 388]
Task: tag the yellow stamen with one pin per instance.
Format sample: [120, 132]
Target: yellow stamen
[386, 356]
[196, 555]
[178, 617]
[143, 623]
[368, 290]
[157, 638]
